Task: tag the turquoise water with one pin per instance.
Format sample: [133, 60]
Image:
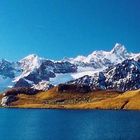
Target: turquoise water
[35, 124]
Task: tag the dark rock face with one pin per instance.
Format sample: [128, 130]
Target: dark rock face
[39, 75]
[49, 67]
[89, 81]
[122, 77]
[73, 88]
[47, 70]
[101, 80]
[15, 91]
[7, 69]
[64, 67]
[6, 100]
[125, 76]
[22, 83]
[57, 67]
[11, 94]
[32, 70]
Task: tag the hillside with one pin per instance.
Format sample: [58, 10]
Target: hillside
[93, 100]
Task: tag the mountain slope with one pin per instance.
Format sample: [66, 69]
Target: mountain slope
[121, 77]
[8, 71]
[33, 71]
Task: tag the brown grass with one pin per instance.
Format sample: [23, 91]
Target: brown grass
[93, 100]
[0, 98]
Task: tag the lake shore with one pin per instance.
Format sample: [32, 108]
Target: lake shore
[95, 100]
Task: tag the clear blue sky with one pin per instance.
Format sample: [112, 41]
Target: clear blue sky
[58, 28]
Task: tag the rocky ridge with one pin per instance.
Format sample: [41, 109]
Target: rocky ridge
[33, 71]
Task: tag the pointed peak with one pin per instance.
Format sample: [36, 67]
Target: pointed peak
[31, 56]
[119, 48]
[30, 62]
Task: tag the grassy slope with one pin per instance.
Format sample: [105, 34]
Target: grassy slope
[94, 100]
[128, 100]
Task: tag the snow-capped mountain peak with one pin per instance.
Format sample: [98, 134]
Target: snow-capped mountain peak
[100, 59]
[118, 48]
[80, 58]
[121, 77]
[30, 62]
[33, 70]
[120, 51]
[30, 57]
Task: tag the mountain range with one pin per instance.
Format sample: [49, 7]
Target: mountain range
[115, 70]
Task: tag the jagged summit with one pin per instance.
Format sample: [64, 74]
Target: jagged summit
[121, 77]
[30, 62]
[118, 48]
[100, 59]
[36, 71]
[30, 57]
[120, 51]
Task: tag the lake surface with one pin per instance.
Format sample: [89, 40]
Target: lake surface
[35, 124]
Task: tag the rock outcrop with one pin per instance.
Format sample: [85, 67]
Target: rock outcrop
[121, 77]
